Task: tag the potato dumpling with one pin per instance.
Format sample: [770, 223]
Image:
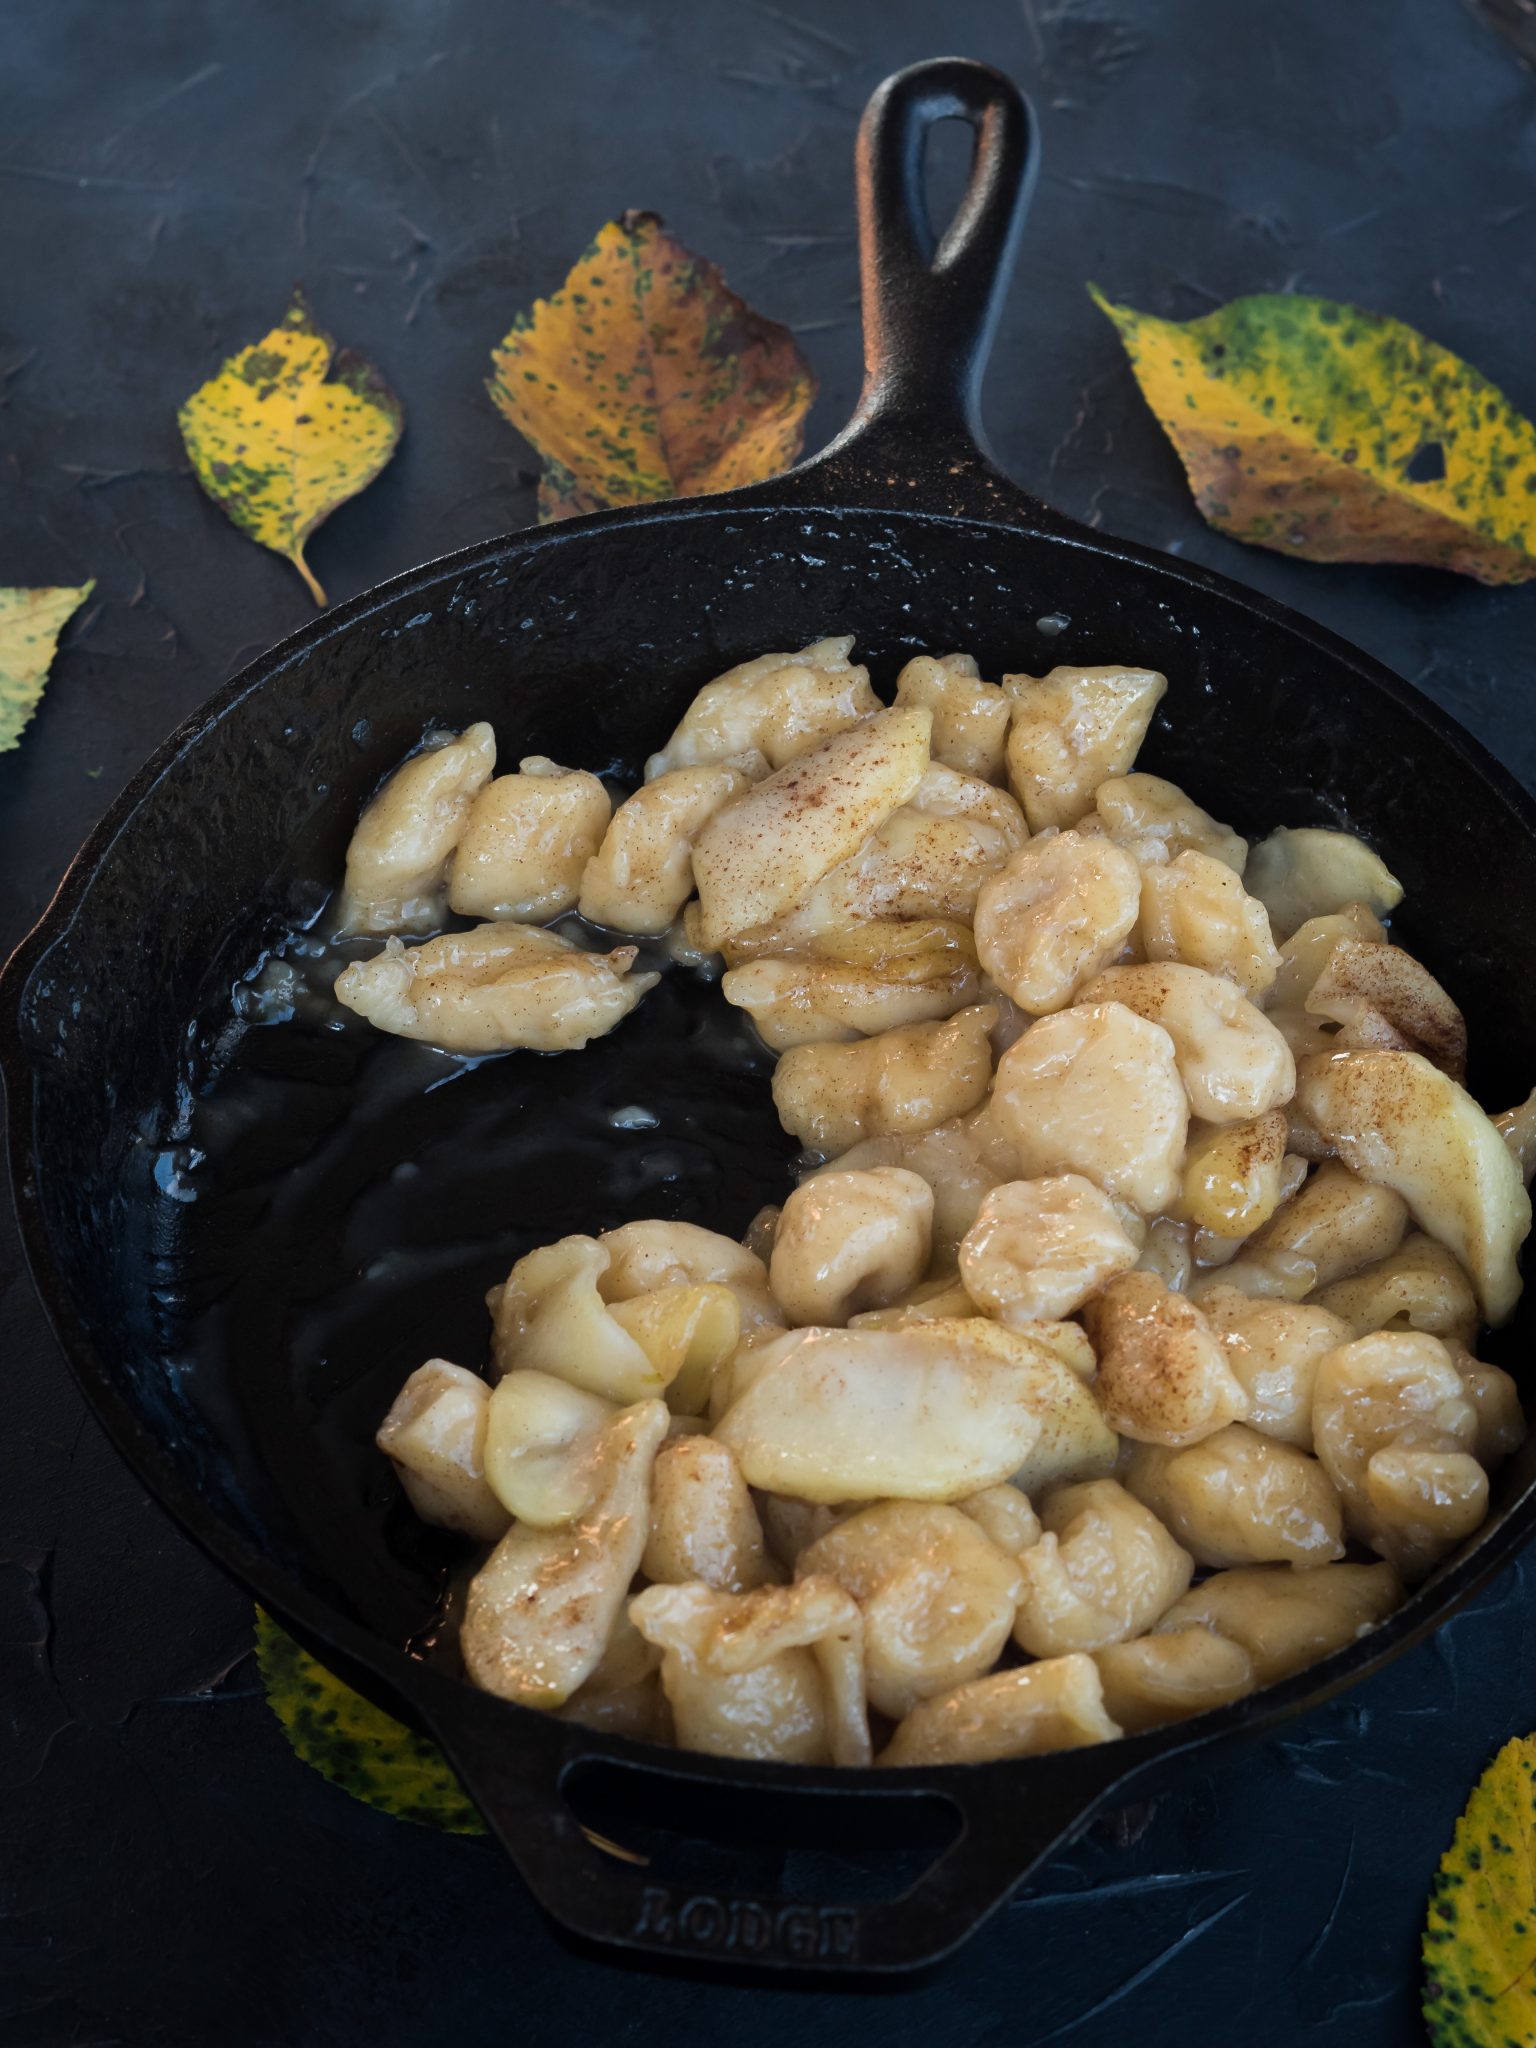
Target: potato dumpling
[900, 1082]
[1420, 1286]
[641, 875]
[497, 988]
[760, 857]
[1163, 1678]
[1284, 1618]
[1495, 1397]
[1335, 1223]
[1299, 874]
[1517, 1127]
[1241, 1498]
[1039, 1248]
[551, 1316]
[525, 842]
[704, 1528]
[827, 1002]
[848, 1241]
[1402, 1124]
[1232, 1175]
[1233, 1062]
[397, 863]
[1072, 730]
[540, 1611]
[1163, 1372]
[1104, 1570]
[1273, 1348]
[1155, 821]
[937, 1596]
[960, 1160]
[970, 717]
[775, 1674]
[1380, 996]
[1196, 910]
[544, 1446]
[652, 1253]
[1055, 1704]
[1006, 1516]
[434, 1435]
[623, 1696]
[934, 1412]
[1169, 1253]
[1058, 912]
[1396, 1432]
[776, 704]
[1095, 1090]
[1424, 1502]
[791, 1525]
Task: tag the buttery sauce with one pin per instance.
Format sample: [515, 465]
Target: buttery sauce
[339, 1200]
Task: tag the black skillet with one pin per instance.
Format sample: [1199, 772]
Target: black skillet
[239, 1320]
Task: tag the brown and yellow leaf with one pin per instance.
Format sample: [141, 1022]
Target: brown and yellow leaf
[1480, 1940]
[288, 430]
[30, 624]
[1318, 430]
[646, 377]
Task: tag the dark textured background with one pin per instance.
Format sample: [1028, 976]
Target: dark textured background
[168, 1873]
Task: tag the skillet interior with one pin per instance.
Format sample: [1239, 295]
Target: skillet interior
[260, 1328]
[240, 1346]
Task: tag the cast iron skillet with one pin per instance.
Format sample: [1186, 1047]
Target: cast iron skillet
[585, 641]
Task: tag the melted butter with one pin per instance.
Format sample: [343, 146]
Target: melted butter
[336, 1202]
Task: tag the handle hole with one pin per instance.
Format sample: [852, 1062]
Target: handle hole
[944, 176]
[795, 1844]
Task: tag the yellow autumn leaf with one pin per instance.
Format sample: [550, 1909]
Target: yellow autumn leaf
[1480, 1941]
[30, 624]
[1318, 430]
[646, 377]
[355, 1744]
[288, 430]
[362, 1750]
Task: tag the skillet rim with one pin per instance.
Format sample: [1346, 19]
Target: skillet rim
[1426, 1608]
[929, 307]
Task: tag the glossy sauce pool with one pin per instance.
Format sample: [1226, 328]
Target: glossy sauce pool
[337, 1203]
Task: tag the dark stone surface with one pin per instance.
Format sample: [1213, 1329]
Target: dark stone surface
[170, 1874]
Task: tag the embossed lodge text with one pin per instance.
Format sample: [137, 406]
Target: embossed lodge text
[748, 1927]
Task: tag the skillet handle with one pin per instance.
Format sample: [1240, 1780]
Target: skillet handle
[991, 1826]
[930, 308]
[931, 303]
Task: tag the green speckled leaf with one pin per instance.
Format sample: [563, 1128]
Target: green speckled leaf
[1318, 430]
[645, 377]
[356, 1744]
[287, 431]
[1480, 1940]
[30, 624]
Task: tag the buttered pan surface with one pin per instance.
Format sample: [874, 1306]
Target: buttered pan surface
[250, 1217]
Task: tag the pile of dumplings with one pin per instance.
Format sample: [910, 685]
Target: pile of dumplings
[1114, 1355]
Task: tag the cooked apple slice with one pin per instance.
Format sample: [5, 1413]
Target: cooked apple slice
[1400, 1122]
[764, 853]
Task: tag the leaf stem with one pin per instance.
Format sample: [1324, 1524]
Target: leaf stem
[312, 582]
